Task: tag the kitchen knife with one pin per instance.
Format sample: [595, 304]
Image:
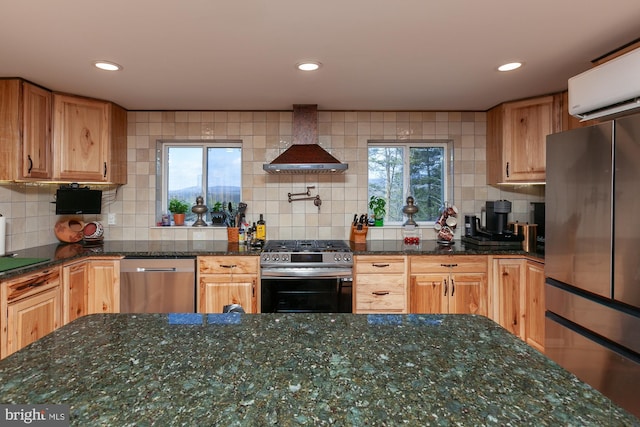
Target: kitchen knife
[355, 219]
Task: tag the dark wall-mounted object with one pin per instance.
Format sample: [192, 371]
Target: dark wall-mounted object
[75, 200]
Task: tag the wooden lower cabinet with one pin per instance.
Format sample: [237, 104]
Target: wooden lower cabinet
[449, 284]
[90, 286]
[31, 307]
[225, 280]
[103, 286]
[75, 291]
[216, 292]
[509, 281]
[534, 296]
[520, 304]
[380, 284]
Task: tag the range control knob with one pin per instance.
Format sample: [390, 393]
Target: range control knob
[265, 257]
[276, 258]
[285, 257]
[347, 257]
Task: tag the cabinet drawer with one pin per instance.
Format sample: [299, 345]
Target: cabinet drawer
[372, 294]
[447, 264]
[31, 284]
[380, 265]
[228, 264]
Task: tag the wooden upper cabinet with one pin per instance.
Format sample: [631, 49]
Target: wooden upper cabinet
[516, 138]
[89, 140]
[36, 132]
[25, 131]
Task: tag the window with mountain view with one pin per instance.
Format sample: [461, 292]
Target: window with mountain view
[398, 169]
[211, 169]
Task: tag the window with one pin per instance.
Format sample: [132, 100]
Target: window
[398, 169]
[211, 169]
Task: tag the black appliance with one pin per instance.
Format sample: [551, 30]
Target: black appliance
[75, 200]
[538, 217]
[306, 276]
[471, 225]
[496, 232]
[497, 213]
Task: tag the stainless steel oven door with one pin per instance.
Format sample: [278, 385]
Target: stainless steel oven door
[301, 290]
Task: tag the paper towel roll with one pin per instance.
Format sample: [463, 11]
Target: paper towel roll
[3, 234]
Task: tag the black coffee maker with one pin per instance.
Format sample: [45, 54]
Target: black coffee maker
[471, 225]
[497, 213]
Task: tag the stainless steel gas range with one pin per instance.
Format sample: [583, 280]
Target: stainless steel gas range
[306, 276]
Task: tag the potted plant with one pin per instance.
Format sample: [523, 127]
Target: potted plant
[178, 208]
[218, 216]
[378, 207]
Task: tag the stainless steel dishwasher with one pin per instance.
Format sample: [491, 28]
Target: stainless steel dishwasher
[157, 285]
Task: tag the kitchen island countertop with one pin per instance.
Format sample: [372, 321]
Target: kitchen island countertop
[298, 369]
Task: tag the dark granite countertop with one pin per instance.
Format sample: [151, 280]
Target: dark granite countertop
[58, 253]
[299, 369]
[64, 252]
[432, 247]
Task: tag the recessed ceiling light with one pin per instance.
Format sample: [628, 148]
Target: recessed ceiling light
[308, 66]
[107, 65]
[510, 66]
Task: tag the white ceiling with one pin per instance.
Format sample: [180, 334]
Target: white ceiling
[376, 54]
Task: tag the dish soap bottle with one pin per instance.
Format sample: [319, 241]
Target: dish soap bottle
[261, 229]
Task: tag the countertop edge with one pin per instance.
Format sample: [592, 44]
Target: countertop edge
[59, 254]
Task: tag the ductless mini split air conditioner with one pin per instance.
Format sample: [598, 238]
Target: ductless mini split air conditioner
[607, 89]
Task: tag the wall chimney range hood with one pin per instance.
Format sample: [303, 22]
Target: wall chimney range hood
[305, 156]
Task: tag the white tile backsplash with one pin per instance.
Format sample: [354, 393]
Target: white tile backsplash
[264, 135]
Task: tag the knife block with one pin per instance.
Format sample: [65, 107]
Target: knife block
[232, 235]
[358, 236]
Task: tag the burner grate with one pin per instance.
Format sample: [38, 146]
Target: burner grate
[306, 246]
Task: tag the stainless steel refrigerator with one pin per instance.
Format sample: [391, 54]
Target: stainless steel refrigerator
[592, 256]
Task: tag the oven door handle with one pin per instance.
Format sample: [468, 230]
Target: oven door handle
[302, 272]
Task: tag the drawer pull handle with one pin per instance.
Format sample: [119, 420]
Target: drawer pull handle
[381, 293]
[228, 265]
[152, 270]
[380, 265]
[30, 285]
[448, 265]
